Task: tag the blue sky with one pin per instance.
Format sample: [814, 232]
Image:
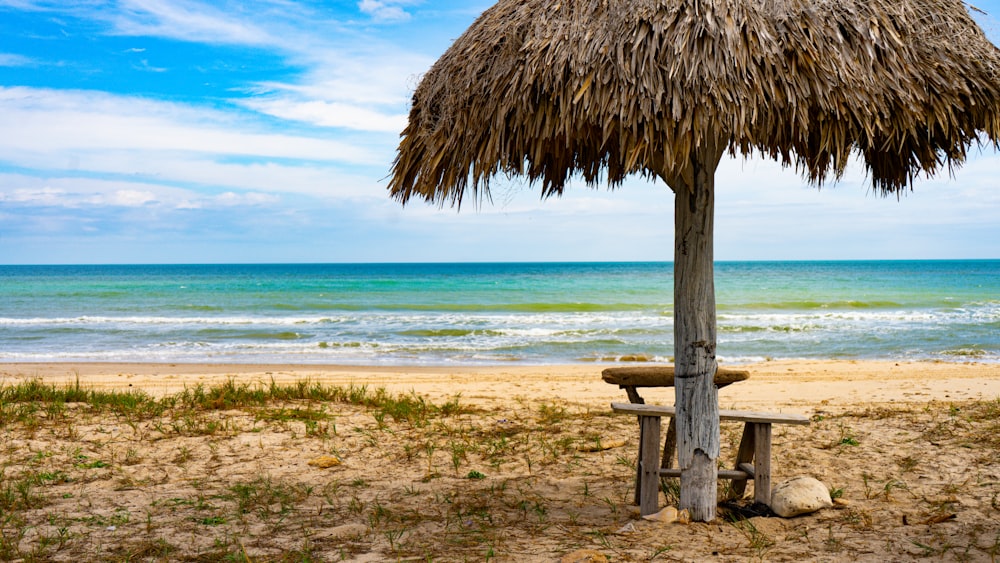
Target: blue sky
[165, 131]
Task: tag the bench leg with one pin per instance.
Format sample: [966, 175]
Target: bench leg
[744, 456]
[649, 464]
[762, 462]
[635, 398]
[633, 395]
[669, 445]
[638, 470]
[755, 447]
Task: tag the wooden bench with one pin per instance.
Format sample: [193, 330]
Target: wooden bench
[631, 377]
[753, 459]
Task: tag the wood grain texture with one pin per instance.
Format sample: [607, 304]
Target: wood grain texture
[663, 376]
[724, 414]
[696, 396]
[649, 465]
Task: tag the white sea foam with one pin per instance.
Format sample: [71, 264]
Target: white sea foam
[545, 317]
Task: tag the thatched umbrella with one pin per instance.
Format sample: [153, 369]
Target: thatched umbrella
[549, 89]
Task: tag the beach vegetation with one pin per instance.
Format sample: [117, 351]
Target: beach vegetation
[890, 485]
[759, 542]
[859, 519]
[223, 476]
[847, 437]
[549, 414]
[660, 551]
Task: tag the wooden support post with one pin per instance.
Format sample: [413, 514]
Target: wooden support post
[762, 462]
[649, 464]
[697, 398]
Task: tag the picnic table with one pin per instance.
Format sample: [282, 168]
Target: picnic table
[753, 458]
[629, 378]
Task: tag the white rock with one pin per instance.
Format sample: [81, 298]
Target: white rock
[799, 495]
[627, 529]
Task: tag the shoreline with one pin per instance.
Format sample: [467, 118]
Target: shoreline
[779, 384]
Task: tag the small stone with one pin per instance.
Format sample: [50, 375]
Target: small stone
[325, 462]
[799, 495]
[626, 529]
[584, 556]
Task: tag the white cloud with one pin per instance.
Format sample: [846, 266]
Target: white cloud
[383, 11]
[70, 124]
[233, 199]
[10, 59]
[48, 196]
[126, 198]
[77, 193]
[361, 87]
[144, 65]
[346, 77]
[23, 4]
[187, 21]
[45, 196]
[329, 114]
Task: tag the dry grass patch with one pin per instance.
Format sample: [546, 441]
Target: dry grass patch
[223, 474]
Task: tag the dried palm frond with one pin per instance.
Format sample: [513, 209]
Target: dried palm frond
[608, 88]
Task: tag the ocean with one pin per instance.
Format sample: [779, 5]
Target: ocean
[478, 313]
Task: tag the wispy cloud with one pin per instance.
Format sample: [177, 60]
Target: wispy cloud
[186, 21]
[40, 121]
[92, 149]
[144, 66]
[359, 87]
[329, 114]
[10, 59]
[384, 11]
[344, 77]
[22, 191]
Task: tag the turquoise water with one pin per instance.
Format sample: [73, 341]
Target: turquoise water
[493, 313]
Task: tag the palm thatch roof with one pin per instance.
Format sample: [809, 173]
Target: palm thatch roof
[608, 88]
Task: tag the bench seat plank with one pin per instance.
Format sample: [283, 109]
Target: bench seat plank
[732, 474]
[743, 416]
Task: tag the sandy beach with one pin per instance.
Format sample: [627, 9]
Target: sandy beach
[910, 448]
[801, 384]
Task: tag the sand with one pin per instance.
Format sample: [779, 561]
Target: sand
[906, 444]
[775, 385]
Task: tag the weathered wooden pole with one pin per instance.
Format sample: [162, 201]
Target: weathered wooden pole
[697, 399]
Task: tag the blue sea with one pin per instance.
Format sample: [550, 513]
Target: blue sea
[463, 314]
